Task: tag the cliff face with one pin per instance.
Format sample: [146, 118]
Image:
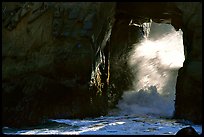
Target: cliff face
[55, 57]
[189, 82]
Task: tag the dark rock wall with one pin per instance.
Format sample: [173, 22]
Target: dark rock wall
[122, 37]
[50, 52]
[188, 102]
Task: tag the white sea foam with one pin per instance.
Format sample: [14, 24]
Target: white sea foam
[154, 63]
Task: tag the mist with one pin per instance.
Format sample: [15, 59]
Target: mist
[154, 62]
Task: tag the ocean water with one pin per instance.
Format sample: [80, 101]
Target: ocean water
[108, 125]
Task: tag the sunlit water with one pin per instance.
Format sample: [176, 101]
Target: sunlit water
[146, 110]
[109, 125]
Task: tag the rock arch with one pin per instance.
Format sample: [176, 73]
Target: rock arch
[186, 16]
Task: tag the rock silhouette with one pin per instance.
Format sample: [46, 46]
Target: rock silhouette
[187, 131]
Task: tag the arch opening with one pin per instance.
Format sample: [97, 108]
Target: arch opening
[189, 80]
[154, 62]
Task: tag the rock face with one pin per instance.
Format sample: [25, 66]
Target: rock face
[54, 64]
[122, 37]
[188, 103]
[55, 57]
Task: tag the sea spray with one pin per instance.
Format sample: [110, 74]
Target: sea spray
[154, 64]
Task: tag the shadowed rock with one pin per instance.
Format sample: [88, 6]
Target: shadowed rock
[187, 131]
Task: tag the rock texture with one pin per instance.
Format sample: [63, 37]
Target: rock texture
[122, 37]
[188, 103]
[54, 63]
